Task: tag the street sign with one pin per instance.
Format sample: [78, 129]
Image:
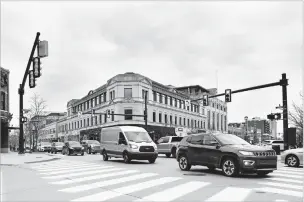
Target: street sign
[79, 114]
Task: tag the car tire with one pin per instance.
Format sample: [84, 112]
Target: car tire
[55, 152]
[69, 153]
[230, 167]
[152, 160]
[89, 151]
[126, 157]
[168, 155]
[262, 173]
[183, 163]
[292, 161]
[211, 168]
[82, 153]
[173, 152]
[105, 155]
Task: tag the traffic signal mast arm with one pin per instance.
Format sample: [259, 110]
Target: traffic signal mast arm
[98, 113]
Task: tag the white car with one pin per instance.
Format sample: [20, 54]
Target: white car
[292, 157]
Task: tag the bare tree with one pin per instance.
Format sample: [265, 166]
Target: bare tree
[296, 119]
[35, 113]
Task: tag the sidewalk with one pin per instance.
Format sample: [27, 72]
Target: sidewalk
[13, 158]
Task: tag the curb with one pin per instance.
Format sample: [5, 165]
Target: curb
[52, 159]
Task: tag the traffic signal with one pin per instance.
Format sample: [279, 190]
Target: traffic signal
[109, 113]
[32, 80]
[270, 116]
[37, 67]
[277, 116]
[228, 95]
[205, 100]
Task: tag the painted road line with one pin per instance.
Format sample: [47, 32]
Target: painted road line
[71, 170]
[235, 194]
[284, 180]
[106, 195]
[289, 172]
[291, 169]
[64, 165]
[282, 185]
[86, 187]
[175, 192]
[53, 163]
[285, 175]
[95, 177]
[280, 191]
[82, 173]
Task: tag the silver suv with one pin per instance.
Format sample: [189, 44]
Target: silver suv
[167, 145]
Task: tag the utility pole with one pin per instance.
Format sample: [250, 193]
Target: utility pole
[284, 83]
[146, 112]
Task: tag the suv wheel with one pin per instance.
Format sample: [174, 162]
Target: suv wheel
[229, 167]
[292, 161]
[184, 163]
[105, 155]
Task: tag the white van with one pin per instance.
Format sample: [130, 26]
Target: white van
[127, 142]
[270, 143]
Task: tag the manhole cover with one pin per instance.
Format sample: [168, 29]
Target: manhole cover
[195, 174]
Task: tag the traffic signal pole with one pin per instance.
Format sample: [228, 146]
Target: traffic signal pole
[146, 112]
[21, 93]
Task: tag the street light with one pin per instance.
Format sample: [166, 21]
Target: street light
[246, 127]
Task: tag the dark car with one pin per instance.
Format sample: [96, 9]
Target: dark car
[56, 147]
[228, 152]
[72, 148]
[91, 146]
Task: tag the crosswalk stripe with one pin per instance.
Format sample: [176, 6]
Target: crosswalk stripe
[231, 194]
[292, 169]
[107, 183]
[75, 170]
[69, 168]
[289, 172]
[62, 165]
[106, 195]
[281, 185]
[82, 173]
[284, 180]
[283, 175]
[53, 163]
[95, 177]
[175, 192]
[280, 191]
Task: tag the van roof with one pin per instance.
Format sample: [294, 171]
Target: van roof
[127, 128]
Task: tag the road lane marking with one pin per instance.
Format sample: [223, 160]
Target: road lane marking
[53, 163]
[106, 195]
[284, 180]
[66, 168]
[282, 175]
[82, 173]
[280, 191]
[175, 192]
[86, 187]
[95, 177]
[282, 185]
[235, 194]
[292, 169]
[289, 172]
[76, 170]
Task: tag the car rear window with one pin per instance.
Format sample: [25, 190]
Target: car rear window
[176, 139]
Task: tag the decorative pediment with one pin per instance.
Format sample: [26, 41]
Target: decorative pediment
[90, 92]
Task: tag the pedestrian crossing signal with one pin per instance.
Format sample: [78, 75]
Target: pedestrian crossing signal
[228, 95]
[32, 80]
[205, 100]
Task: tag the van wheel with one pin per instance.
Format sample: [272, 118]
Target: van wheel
[126, 157]
[105, 155]
[229, 167]
[168, 155]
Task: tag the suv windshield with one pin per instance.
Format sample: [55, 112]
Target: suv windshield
[227, 139]
[176, 139]
[93, 142]
[138, 136]
[74, 143]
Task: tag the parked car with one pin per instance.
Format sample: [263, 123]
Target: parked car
[270, 143]
[167, 145]
[72, 148]
[128, 142]
[91, 146]
[57, 147]
[292, 157]
[44, 146]
[27, 149]
[228, 152]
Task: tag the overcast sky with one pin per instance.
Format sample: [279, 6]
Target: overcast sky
[174, 43]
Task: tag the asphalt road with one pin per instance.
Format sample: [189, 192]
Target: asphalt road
[89, 178]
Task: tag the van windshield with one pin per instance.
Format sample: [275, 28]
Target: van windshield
[138, 137]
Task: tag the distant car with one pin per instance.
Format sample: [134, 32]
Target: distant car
[292, 157]
[72, 148]
[27, 150]
[91, 146]
[270, 143]
[44, 146]
[228, 152]
[167, 145]
[57, 147]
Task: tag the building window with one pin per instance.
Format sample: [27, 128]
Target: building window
[180, 121]
[213, 121]
[188, 108]
[84, 123]
[175, 102]
[154, 116]
[204, 125]
[144, 92]
[195, 123]
[112, 115]
[170, 101]
[166, 99]
[222, 122]
[99, 99]
[188, 123]
[88, 104]
[217, 121]
[3, 99]
[105, 118]
[184, 121]
[160, 117]
[166, 121]
[100, 119]
[225, 120]
[112, 95]
[175, 120]
[128, 111]
[95, 120]
[160, 98]
[104, 97]
[209, 120]
[88, 122]
[154, 96]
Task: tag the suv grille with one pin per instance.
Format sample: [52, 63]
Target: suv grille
[265, 153]
[146, 149]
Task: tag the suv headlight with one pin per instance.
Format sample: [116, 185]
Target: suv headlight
[246, 153]
[133, 146]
